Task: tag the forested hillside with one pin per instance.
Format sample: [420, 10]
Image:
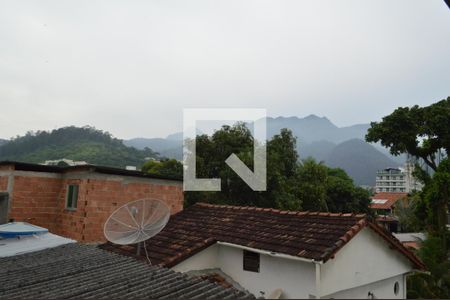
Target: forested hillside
[318, 137]
[85, 144]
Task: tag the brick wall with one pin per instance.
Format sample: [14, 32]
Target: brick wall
[70, 223]
[41, 200]
[34, 200]
[103, 197]
[3, 183]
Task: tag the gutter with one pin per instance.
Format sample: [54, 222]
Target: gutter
[317, 263]
[271, 253]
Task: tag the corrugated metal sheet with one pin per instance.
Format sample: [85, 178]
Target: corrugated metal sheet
[85, 271]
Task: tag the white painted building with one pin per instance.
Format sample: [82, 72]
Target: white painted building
[297, 254]
[397, 180]
[366, 267]
[64, 162]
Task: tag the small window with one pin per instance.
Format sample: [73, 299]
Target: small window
[72, 196]
[251, 261]
[396, 288]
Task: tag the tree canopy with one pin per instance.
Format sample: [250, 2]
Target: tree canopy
[165, 167]
[291, 183]
[424, 133]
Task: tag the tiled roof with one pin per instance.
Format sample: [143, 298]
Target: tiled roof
[390, 199]
[85, 271]
[310, 235]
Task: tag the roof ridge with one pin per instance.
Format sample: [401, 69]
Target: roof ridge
[283, 212]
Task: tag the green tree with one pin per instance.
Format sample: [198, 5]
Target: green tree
[422, 132]
[312, 188]
[436, 283]
[290, 184]
[165, 167]
[343, 195]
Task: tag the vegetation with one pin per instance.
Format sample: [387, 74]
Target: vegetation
[291, 184]
[424, 132]
[436, 283]
[85, 144]
[165, 167]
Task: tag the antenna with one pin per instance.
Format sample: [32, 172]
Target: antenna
[136, 222]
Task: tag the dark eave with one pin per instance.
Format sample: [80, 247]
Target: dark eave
[21, 166]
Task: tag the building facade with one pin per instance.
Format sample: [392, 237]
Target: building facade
[397, 180]
[75, 201]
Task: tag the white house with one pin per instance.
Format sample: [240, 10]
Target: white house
[294, 254]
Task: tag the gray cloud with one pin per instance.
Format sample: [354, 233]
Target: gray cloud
[130, 67]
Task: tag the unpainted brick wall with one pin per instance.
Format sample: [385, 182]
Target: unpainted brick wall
[3, 183]
[103, 197]
[34, 200]
[42, 201]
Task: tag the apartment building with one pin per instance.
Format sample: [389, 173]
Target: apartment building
[397, 180]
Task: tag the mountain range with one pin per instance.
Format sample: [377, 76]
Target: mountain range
[317, 137]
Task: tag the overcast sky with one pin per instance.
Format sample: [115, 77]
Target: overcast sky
[130, 67]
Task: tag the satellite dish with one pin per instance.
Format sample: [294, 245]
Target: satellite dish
[136, 221]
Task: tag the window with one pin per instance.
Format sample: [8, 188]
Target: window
[251, 261]
[72, 196]
[396, 288]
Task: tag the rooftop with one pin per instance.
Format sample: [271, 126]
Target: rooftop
[390, 171]
[310, 235]
[21, 166]
[386, 200]
[85, 271]
[25, 244]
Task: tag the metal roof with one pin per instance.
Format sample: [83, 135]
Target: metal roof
[85, 271]
[25, 244]
[14, 229]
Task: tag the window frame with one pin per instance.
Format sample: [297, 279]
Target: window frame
[251, 261]
[73, 199]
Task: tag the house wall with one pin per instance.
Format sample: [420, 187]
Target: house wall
[104, 195]
[206, 259]
[295, 278]
[383, 289]
[355, 270]
[359, 265]
[40, 198]
[3, 183]
[34, 200]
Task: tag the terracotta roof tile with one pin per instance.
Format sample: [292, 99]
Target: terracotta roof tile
[389, 198]
[310, 235]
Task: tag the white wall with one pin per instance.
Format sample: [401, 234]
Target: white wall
[295, 278]
[383, 289]
[359, 264]
[365, 264]
[206, 259]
